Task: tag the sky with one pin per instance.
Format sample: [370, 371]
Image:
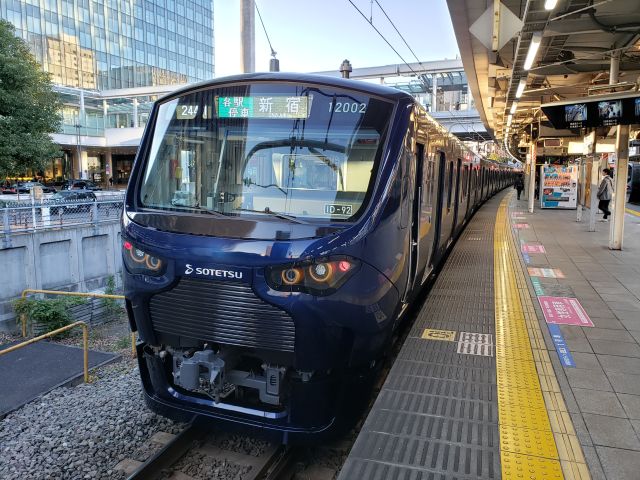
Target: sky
[317, 35]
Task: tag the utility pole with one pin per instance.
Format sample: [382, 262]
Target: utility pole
[248, 35]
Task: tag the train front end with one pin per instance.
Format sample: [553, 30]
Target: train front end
[244, 241]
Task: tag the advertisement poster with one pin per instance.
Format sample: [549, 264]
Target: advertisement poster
[559, 186]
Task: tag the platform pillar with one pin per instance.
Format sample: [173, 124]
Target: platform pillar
[595, 183]
[616, 231]
[533, 153]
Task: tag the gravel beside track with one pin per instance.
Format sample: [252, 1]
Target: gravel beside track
[80, 432]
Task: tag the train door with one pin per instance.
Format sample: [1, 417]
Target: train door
[439, 206]
[415, 213]
[456, 199]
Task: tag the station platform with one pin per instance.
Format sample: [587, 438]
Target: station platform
[32, 371]
[523, 362]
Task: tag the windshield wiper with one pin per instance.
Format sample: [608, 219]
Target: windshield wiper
[266, 211]
[186, 208]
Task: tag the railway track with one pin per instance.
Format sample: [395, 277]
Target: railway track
[194, 454]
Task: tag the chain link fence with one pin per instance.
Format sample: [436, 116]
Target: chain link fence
[21, 217]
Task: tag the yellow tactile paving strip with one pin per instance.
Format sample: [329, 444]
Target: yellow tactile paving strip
[632, 212]
[537, 438]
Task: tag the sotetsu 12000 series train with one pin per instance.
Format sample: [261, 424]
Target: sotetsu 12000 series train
[275, 228]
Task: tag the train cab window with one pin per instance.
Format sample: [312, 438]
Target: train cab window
[253, 149]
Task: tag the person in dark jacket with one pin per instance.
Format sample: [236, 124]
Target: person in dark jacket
[519, 185]
[605, 193]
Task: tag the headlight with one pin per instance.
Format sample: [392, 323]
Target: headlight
[318, 277]
[137, 261]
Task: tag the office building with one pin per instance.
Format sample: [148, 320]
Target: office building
[109, 60]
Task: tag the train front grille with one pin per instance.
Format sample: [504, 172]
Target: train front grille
[222, 312]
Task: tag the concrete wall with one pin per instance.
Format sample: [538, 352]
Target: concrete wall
[74, 259]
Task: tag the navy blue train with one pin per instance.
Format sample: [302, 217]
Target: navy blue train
[276, 227]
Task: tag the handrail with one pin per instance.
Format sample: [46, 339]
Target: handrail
[85, 343]
[23, 317]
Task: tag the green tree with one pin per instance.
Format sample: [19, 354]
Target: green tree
[29, 108]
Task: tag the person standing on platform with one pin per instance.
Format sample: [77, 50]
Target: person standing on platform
[605, 192]
[519, 185]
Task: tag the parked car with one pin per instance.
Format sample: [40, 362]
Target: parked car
[80, 185]
[18, 187]
[71, 201]
[26, 187]
[30, 185]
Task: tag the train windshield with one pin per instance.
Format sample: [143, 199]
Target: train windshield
[303, 153]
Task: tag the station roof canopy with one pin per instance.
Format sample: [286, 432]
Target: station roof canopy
[577, 40]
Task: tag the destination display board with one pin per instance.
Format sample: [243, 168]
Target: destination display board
[559, 186]
[597, 111]
[271, 106]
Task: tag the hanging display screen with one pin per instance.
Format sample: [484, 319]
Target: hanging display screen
[602, 111]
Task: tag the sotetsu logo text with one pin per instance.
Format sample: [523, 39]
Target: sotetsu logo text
[212, 272]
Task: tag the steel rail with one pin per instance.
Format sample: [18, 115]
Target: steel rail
[170, 453]
[277, 465]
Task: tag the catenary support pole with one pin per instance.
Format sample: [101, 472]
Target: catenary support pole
[616, 231]
[248, 35]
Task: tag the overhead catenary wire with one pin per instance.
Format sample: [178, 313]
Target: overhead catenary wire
[384, 38]
[273, 52]
[398, 32]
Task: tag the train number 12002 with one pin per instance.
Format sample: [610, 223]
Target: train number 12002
[347, 107]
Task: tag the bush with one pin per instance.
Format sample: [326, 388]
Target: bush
[124, 342]
[48, 314]
[111, 305]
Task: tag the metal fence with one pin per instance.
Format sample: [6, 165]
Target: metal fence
[22, 217]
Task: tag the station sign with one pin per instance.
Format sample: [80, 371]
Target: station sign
[595, 111]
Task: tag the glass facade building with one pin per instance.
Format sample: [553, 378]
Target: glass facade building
[110, 60]
[113, 44]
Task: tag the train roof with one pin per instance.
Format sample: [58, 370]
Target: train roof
[389, 93]
[365, 87]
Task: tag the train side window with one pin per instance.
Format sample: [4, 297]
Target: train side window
[466, 183]
[475, 183]
[428, 180]
[459, 184]
[450, 185]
